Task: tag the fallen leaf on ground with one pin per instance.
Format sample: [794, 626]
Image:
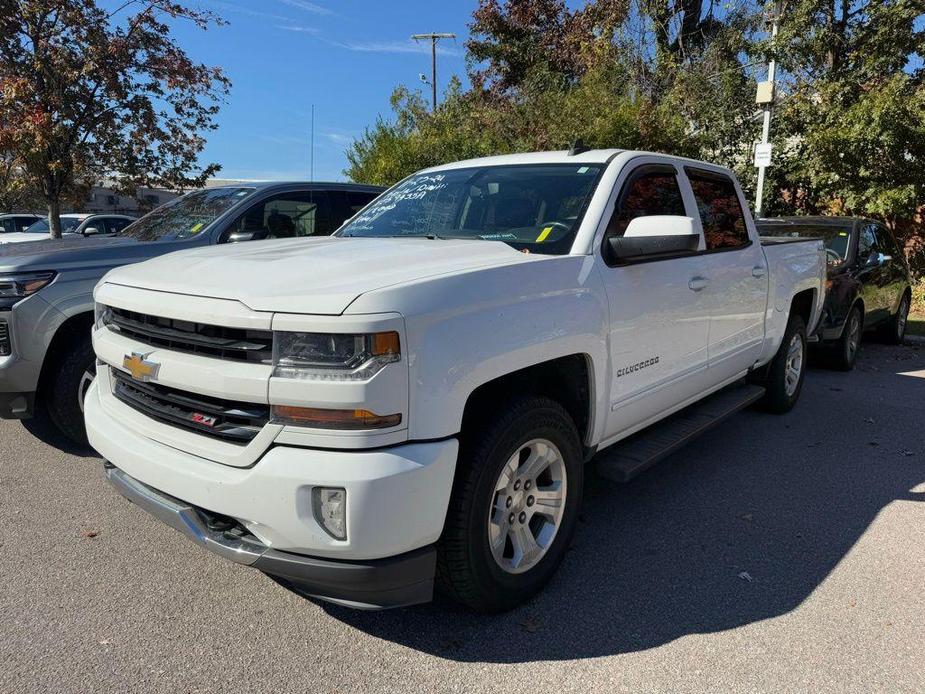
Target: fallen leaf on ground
[745, 576]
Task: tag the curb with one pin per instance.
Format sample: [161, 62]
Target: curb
[915, 339]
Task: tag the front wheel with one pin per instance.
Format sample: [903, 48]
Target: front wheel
[845, 351]
[784, 379]
[896, 326]
[64, 397]
[514, 506]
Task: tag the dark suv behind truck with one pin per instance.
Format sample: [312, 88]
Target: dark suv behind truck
[868, 285]
[46, 302]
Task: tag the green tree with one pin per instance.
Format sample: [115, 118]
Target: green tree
[83, 95]
[851, 117]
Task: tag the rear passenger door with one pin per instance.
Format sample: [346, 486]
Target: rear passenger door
[736, 272]
[659, 318]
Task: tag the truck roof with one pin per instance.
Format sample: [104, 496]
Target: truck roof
[562, 156]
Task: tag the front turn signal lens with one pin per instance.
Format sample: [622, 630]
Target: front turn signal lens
[333, 419]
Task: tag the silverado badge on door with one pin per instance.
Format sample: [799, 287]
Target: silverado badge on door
[140, 368]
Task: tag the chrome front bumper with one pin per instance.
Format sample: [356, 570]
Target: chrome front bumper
[406, 579]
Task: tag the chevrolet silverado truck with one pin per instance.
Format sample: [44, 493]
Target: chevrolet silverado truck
[46, 286]
[410, 403]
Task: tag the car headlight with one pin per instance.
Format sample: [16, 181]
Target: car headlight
[24, 284]
[333, 356]
[102, 315]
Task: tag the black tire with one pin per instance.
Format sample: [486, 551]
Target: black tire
[467, 571]
[894, 331]
[65, 390]
[844, 352]
[778, 398]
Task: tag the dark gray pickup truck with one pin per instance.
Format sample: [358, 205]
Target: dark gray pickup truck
[46, 287]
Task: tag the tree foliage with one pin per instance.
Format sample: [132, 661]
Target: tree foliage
[85, 93]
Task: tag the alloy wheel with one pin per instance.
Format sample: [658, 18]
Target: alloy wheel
[529, 500]
[794, 365]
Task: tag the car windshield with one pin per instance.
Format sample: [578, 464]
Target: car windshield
[837, 237]
[68, 224]
[534, 207]
[186, 216]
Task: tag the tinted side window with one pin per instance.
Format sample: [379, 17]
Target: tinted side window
[357, 200]
[116, 224]
[867, 242]
[886, 242]
[287, 215]
[21, 223]
[7, 226]
[720, 211]
[645, 195]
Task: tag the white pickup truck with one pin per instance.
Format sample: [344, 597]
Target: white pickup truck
[412, 401]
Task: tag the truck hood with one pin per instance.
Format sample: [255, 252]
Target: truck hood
[311, 276]
[79, 253]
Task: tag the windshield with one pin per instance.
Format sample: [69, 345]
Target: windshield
[837, 237]
[185, 216]
[68, 224]
[535, 207]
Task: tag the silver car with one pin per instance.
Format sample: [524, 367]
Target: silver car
[46, 301]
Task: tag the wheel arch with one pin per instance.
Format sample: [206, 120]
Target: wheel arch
[68, 331]
[569, 380]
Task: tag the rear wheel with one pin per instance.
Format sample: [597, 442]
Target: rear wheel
[67, 388]
[895, 328]
[845, 350]
[784, 378]
[514, 506]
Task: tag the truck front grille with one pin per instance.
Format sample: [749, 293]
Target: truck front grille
[5, 347]
[235, 422]
[237, 344]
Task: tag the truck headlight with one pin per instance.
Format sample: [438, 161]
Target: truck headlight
[333, 356]
[21, 285]
[102, 315]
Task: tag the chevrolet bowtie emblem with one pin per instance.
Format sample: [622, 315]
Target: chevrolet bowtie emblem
[141, 369]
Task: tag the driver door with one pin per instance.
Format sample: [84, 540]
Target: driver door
[659, 315]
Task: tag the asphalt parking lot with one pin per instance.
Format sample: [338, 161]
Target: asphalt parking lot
[775, 554]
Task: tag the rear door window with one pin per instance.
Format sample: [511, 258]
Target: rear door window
[720, 210]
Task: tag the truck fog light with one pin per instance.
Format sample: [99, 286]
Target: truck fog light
[330, 508]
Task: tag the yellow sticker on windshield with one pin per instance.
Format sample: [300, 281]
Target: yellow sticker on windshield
[196, 227]
[842, 233]
[543, 234]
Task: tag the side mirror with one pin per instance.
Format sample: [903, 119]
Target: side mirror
[655, 236]
[91, 231]
[877, 259]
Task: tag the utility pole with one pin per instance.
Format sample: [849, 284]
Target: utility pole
[311, 147]
[433, 58]
[766, 99]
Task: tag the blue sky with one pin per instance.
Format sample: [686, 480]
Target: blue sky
[345, 56]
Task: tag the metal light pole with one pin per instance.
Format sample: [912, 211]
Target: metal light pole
[433, 58]
[766, 98]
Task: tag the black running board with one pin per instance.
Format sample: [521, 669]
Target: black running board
[626, 459]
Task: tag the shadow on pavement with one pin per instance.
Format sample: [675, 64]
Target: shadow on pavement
[41, 427]
[739, 527]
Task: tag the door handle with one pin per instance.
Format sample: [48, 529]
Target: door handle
[759, 271]
[698, 283]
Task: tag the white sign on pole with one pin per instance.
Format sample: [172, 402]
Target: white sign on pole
[763, 154]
